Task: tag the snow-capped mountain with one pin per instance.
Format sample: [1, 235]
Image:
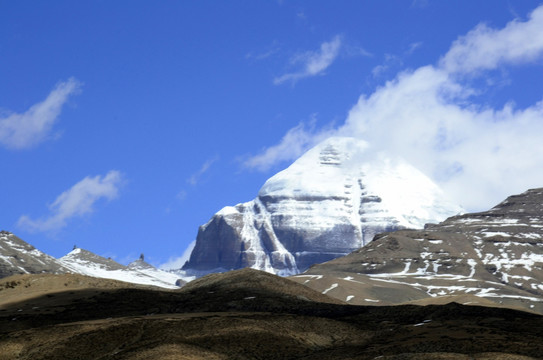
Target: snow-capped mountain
[329, 202]
[496, 255]
[19, 257]
[81, 261]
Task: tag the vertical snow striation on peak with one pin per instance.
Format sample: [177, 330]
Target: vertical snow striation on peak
[329, 202]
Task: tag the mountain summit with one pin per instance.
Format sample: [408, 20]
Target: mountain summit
[329, 202]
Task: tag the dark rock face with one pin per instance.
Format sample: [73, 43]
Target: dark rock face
[19, 257]
[496, 255]
[219, 244]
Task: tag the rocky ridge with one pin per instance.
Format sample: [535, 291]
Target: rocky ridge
[19, 257]
[493, 255]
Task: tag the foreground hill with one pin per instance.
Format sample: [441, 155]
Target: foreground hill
[494, 256]
[246, 314]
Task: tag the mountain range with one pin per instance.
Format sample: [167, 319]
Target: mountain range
[364, 229]
[362, 242]
[19, 257]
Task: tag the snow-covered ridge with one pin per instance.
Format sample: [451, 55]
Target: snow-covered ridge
[19, 257]
[329, 202]
[84, 262]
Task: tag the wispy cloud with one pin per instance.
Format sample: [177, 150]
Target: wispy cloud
[313, 63]
[391, 61]
[75, 202]
[177, 262]
[295, 142]
[264, 54]
[23, 131]
[484, 48]
[413, 47]
[195, 178]
[394, 62]
[419, 3]
[431, 117]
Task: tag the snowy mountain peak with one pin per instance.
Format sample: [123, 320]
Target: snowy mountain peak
[380, 187]
[329, 202]
[86, 258]
[140, 264]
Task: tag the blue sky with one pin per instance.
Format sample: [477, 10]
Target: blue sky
[124, 125]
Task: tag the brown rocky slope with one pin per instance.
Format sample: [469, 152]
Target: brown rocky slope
[491, 257]
[246, 314]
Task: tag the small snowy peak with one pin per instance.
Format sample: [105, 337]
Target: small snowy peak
[84, 262]
[19, 257]
[86, 259]
[140, 264]
[331, 201]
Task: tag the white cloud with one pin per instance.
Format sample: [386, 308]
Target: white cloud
[475, 153]
[313, 62]
[413, 47]
[484, 48]
[261, 55]
[295, 142]
[391, 61]
[75, 202]
[181, 195]
[23, 131]
[478, 154]
[195, 178]
[175, 263]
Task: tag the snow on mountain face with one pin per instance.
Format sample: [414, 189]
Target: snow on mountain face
[84, 262]
[19, 257]
[329, 202]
